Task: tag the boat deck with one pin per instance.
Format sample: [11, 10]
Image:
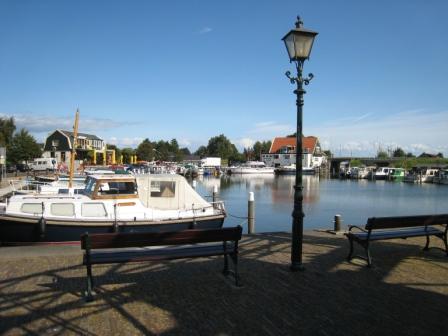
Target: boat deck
[405, 293]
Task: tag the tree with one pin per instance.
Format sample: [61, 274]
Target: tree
[382, 154]
[145, 150]
[261, 147]
[185, 151]
[222, 147]
[410, 155]
[398, 152]
[23, 147]
[201, 152]
[7, 128]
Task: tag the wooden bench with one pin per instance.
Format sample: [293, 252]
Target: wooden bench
[107, 248]
[380, 228]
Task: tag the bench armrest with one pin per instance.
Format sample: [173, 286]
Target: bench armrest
[350, 227]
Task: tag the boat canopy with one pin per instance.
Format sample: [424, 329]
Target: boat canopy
[170, 191]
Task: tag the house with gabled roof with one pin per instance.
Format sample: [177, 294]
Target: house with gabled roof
[59, 145]
[283, 152]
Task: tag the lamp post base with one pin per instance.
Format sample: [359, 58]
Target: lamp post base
[296, 267]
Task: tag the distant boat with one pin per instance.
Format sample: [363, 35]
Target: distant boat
[381, 173]
[291, 170]
[251, 167]
[422, 175]
[441, 177]
[397, 174]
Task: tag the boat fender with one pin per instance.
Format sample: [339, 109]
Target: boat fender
[42, 227]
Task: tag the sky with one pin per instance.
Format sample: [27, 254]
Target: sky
[192, 70]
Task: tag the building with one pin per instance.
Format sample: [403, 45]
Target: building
[283, 152]
[59, 145]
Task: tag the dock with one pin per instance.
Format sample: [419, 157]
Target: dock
[404, 293]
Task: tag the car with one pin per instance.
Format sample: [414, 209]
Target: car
[22, 167]
[11, 168]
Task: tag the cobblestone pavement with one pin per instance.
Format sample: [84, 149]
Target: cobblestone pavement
[405, 293]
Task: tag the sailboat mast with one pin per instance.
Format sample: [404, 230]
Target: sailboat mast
[72, 158]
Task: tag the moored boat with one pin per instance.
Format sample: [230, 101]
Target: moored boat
[109, 203]
[251, 167]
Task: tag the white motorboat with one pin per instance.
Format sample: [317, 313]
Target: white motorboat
[382, 173]
[441, 177]
[423, 175]
[109, 203]
[251, 167]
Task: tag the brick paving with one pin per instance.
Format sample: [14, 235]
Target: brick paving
[405, 293]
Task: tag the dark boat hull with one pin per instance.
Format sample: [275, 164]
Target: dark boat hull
[22, 230]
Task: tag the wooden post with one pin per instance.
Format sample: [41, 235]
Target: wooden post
[72, 159]
[337, 223]
[251, 214]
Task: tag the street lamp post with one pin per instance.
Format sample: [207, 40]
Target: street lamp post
[298, 42]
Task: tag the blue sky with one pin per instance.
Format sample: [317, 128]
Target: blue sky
[191, 70]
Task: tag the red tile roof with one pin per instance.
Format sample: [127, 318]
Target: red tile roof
[308, 144]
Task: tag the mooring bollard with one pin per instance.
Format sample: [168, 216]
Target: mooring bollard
[215, 193]
[251, 214]
[337, 223]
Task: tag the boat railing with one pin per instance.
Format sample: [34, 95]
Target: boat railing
[217, 205]
[26, 185]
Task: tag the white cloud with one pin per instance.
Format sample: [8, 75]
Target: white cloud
[414, 131]
[205, 30]
[45, 123]
[244, 142]
[271, 129]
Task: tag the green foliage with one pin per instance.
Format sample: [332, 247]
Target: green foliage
[398, 152]
[201, 151]
[382, 155]
[355, 163]
[145, 150]
[221, 147]
[260, 148]
[409, 162]
[23, 147]
[7, 128]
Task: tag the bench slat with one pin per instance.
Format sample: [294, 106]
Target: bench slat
[143, 254]
[123, 240]
[391, 234]
[405, 221]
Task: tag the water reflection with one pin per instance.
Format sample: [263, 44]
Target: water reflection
[355, 200]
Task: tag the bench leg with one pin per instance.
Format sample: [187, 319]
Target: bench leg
[444, 238]
[426, 248]
[350, 254]
[368, 257]
[235, 274]
[89, 296]
[226, 271]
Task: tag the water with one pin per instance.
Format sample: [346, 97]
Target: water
[354, 200]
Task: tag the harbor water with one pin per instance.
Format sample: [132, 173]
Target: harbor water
[354, 200]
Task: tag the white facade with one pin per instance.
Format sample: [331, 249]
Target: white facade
[211, 162]
[280, 160]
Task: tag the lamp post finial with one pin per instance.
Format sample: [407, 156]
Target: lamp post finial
[299, 22]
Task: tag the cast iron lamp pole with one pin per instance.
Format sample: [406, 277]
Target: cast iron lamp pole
[298, 42]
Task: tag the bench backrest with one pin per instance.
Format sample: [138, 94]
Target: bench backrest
[405, 221]
[137, 239]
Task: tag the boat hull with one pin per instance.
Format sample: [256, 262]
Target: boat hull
[25, 230]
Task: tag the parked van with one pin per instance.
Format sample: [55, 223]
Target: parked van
[43, 164]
